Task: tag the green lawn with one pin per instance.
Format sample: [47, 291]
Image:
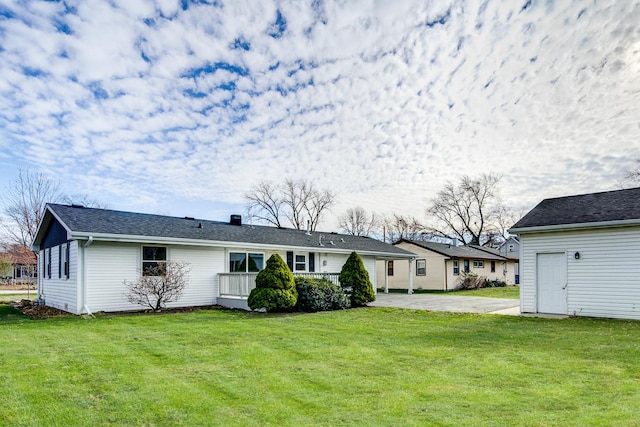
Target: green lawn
[369, 366]
[509, 292]
[18, 295]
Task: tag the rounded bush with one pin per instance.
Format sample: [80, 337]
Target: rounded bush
[275, 289]
[271, 299]
[319, 295]
[355, 281]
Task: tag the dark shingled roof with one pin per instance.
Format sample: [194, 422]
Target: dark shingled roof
[110, 222]
[608, 206]
[455, 251]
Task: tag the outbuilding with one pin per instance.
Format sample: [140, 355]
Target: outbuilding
[580, 255]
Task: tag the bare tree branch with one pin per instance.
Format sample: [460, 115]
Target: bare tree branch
[265, 202]
[403, 227]
[357, 222]
[464, 211]
[24, 202]
[293, 201]
[159, 286]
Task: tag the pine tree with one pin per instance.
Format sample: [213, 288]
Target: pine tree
[355, 281]
[275, 288]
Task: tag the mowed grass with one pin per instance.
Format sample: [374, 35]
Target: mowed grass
[17, 296]
[509, 292]
[364, 367]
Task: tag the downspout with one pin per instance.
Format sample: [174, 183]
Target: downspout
[446, 275]
[84, 275]
[39, 280]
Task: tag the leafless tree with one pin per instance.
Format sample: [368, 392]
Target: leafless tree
[403, 227]
[84, 200]
[503, 218]
[633, 176]
[265, 203]
[293, 202]
[463, 211]
[358, 222]
[24, 201]
[159, 285]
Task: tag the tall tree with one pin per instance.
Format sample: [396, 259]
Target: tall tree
[358, 222]
[463, 210]
[24, 200]
[403, 227]
[294, 202]
[265, 203]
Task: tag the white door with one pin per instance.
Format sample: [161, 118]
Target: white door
[552, 283]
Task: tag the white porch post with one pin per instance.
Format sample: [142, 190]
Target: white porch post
[386, 276]
[410, 277]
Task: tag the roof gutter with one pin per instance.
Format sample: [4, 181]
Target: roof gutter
[576, 226]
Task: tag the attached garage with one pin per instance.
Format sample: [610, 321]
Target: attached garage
[580, 255]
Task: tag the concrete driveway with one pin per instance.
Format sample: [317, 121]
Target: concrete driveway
[456, 304]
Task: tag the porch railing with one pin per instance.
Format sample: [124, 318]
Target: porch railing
[239, 285]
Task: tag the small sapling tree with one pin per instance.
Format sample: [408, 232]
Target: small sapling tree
[275, 288]
[159, 285]
[355, 281]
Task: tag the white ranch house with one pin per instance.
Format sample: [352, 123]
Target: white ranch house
[580, 255]
[86, 254]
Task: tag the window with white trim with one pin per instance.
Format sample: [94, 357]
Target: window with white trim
[63, 261]
[456, 267]
[421, 267]
[47, 263]
[478, 263]
[154, 260]
[245, 262]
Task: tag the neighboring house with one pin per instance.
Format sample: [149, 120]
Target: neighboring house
[580, 255]
[438, 266]
[24, 264]
[510, 249]
[85, 255]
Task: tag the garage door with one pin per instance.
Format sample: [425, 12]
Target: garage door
[552, 283]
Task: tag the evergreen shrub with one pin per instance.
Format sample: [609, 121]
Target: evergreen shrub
[275, 288]
[355, 281]
[319, 295]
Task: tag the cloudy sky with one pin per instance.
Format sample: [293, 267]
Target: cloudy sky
[179, 107]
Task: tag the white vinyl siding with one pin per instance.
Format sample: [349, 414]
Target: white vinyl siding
[604, 282]
[61, 292]
[109, 264]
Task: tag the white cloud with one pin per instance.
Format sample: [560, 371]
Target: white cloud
[148, 105]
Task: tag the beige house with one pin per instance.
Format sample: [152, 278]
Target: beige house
[438, 266]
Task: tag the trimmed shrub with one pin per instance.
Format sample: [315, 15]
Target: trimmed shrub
[275, 289]
[355, 281]
[319, 295]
